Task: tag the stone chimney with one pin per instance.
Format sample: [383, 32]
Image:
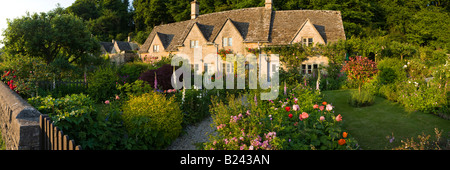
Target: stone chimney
[269, 4]
[195, 9]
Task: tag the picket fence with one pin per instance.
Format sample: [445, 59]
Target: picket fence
[52, 138]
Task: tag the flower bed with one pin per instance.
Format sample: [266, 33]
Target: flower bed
[298, 121]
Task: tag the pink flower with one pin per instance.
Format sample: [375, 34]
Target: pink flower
[295, 107]
[107, 102]
[316, 106]
[339, 118]
[117, 97]
[321, 108]
[302, 116]
[322, 118]
[329, 107]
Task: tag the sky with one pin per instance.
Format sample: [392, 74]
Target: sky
[16, 8]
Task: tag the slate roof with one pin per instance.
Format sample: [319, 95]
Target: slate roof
[255, 25]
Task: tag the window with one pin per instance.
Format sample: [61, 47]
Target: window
[303, 68]
[205, 67]
[309, 68]
[227, 42]
[196, 68]
[194, 44]
[155, 48]
[308, 41]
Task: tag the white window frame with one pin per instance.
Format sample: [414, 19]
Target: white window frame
[307, 41]
[155, 48]
[194, 44]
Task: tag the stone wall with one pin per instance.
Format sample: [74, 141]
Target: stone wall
[19, 121]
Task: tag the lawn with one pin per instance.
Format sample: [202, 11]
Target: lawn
[371, 125]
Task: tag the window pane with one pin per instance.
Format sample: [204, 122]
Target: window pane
[230, 41]
[192, 44]
[225, 42]
[196, 44]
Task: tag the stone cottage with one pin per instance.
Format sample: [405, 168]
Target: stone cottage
[120, 51]
[239, 30]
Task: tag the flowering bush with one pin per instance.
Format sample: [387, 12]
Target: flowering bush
[360, 69]
[295, 122]
[152, 121]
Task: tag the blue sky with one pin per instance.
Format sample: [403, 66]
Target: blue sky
[17, 8]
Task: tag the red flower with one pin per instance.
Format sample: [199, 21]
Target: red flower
[324, 103]
[290, 115]
[341, 142]
[288, 109]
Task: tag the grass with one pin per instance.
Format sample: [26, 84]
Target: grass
[372, 124]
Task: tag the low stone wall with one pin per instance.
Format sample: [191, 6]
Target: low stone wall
[19, 121]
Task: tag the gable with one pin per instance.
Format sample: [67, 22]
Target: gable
[308, 30]
[195, 33]
[156, 41]
[229, 30]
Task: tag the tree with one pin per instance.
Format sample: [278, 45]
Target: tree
[360, 69]
[49, 36]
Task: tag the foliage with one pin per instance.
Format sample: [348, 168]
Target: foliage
[295, 122]
[130, 72]
[136, 88]
[194, 104]
[152, 121]
[424, 142]
[76, 116]
[292, 55]
[106, 19]
[53, 36]
[360, 69]
[163, 77]
[365, 98]
[102, 83]
[391, 70]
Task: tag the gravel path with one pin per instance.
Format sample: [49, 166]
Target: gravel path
[194, 134]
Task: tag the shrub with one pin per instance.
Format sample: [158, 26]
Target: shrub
[102, 83]
[130, 72]
[164, 77]
[195, 106]
[76, 117]
[424, 142]
[391, 70]
[152, 121]
[365, 98]
[300, 120]
[136, 88]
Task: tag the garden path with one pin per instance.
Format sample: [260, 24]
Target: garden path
[194, 134]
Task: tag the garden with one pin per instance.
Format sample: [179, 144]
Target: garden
[377, 92]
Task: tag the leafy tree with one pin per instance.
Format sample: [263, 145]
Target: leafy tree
[49, 36]
[360, 69]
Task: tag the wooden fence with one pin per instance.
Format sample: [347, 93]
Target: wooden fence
[52, 138]
[50, 85]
